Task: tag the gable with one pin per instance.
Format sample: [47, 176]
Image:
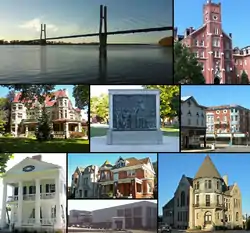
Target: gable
[183, 184]
[29, 165]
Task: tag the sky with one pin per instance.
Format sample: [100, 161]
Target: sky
[230, 22]
[173, 166]
[212, 95]
[21, 20]
[84, 160]
[97, 90]
[90, 205]
[54, 158]
[4, 91]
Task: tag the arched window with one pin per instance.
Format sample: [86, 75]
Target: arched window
[237, 216]
[208, 218]
[183, 198]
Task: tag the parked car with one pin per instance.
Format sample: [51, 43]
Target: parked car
[165, 229]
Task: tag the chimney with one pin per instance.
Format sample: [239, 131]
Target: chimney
[66, 92]
[230, 35]
[37, 157]
[225, 178]
[187, 32]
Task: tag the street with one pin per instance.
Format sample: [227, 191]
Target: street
[231, 231]
[81, 230]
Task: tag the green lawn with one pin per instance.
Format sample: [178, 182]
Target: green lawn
[18, 145]
[98, 131]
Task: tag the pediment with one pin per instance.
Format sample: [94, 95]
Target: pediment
[29, 165]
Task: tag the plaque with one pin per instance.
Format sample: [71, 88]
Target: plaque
[134, 112]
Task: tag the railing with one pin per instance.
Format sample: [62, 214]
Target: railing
[29, 197]
[47, 195]
[216, 205]
[48, 221]
[12, 198]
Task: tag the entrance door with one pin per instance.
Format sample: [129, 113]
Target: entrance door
[216, 80]
[207, 218]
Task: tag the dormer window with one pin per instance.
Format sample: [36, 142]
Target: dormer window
[189, 113]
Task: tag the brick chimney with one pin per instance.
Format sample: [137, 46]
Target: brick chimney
[37, 157]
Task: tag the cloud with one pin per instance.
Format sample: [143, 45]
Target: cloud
[36, 25]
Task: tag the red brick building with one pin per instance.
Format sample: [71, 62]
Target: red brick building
[228, 121]
[130, 176]
[213, 48]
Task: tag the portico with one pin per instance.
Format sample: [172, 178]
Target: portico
[38, 197]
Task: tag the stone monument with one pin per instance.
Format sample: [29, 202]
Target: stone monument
[134, 117]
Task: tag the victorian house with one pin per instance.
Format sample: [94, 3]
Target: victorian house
[131, 177]
[64, 118]
[205, 202]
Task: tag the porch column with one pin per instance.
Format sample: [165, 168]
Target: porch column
[26, 130]
[16, 129]
[20, 203]
[67, 129]
[58, 198]
[79, 127]
[38, 203]
[3, 214]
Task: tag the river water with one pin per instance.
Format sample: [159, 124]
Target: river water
[71, 64]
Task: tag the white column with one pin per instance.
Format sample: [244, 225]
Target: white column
[38, 202]
[67, 129]
[20, 203]
[110, 111]
[16, 129]
[79, 127]
[58, 199]
[26, 130]
[3, 214]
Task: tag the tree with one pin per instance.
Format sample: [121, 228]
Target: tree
[99, 106]
[32, 92]
[43, 129]
[248, 224]
[169, 100]
[81, 95]
[4, 158]
[186, 67]
[244, 78]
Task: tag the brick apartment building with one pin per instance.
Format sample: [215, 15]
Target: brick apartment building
[228, 121]
[213, 48]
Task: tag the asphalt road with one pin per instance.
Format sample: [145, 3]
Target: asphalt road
[231, 231]
[82, 230]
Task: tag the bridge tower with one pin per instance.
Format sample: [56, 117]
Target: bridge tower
[103, 35]
[43, 32]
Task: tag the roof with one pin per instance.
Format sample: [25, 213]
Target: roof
[50, 100]
[207, 169]
[169, 204]
[186, 98]
[228, 192]
[190, 180]
[228, 106]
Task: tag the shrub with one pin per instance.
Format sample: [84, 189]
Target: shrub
[248, 224]
[76, 135]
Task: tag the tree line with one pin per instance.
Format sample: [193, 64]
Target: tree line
[169, 103]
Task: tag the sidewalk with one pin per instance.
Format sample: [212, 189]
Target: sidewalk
[198, 150]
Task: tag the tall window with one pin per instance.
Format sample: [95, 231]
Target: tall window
[209, 184]
[198, 185]
[207, 200]
[182, 198]
[218, 199]
[197, 199]
[237, 216]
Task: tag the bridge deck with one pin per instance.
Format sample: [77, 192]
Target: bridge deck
[143, 30]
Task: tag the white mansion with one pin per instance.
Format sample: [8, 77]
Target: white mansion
[64, 117]
[205, 201]
[38, 200]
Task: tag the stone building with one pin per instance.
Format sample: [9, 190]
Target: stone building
[64, 117]
[205, 201]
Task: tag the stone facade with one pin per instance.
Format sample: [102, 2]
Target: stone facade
[205, 201]
[193, 122]
[64, 118]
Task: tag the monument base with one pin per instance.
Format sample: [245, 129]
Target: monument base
[134, 137]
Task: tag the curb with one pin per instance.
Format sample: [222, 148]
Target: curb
[206, 150]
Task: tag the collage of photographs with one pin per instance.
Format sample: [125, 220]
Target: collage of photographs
[126, 116]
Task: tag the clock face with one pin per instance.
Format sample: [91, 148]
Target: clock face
[29, 168]
[215, 17]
